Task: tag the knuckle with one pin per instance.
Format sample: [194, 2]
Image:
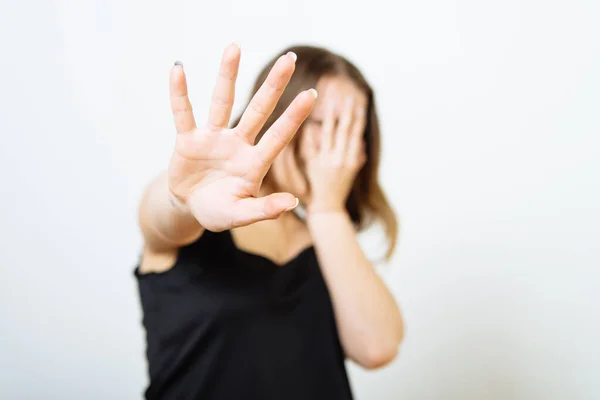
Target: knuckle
[276, 81]
[220, 100]
[287, 123]
[213, 127]
[181, 110]
[227, 72]
[258, 108]
[337, 163]
[181, 106]
[292, 117]
[276, 84]
[278, 133]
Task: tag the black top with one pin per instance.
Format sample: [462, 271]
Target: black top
[227, 324]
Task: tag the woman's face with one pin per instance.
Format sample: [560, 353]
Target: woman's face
[286, 170]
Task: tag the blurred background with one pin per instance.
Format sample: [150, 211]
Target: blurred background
[491, 121]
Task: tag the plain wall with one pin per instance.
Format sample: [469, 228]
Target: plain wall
[491, 124]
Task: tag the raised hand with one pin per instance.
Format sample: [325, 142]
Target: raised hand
[332, 164]
[217, 172]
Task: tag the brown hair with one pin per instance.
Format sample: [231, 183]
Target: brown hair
[366, 201]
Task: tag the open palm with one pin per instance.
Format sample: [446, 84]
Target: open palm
[217, 172]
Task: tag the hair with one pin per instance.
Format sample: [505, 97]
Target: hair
[366, 201]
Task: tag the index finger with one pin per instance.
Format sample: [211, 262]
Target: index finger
[282, 131]
[264, 101]
[180, 102]
[328, 127]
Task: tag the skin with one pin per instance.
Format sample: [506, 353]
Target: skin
[342, 103]
[215, 182]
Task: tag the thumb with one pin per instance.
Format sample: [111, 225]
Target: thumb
[250, 210]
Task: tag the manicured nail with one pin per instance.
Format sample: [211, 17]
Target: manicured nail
[313, 92]
[178, 63]
[292, 55]
[294, 206]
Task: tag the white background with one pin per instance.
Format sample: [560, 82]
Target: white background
[491, 124]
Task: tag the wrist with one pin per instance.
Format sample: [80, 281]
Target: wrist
[323, 220]
[323, 209]
[177, 204]
[321, 206]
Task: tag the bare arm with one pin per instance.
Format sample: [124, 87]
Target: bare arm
[368, 319]
[165, 222]
[215, 173]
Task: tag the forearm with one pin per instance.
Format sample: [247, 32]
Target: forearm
[165, 226]
[367, 316]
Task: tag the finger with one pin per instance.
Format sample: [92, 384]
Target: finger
[264, 101]
[180, 102]
[311, 143]
[362, 157]
[282, 130]
[292, 171]
[285, 169]
[357, 130]
[343, 129]
[224, 91]
[250, 210]
[328, 127]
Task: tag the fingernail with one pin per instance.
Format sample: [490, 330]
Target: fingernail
[292, 55]
[313, 92]
[178, 63]
[360, 111]
[294, 206]
[236, 44]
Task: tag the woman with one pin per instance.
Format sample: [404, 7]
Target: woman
[245, 297]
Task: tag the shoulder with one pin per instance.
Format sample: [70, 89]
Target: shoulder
[156, 262]
[208, 245]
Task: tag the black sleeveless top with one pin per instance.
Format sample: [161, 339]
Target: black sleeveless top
[227, 324]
